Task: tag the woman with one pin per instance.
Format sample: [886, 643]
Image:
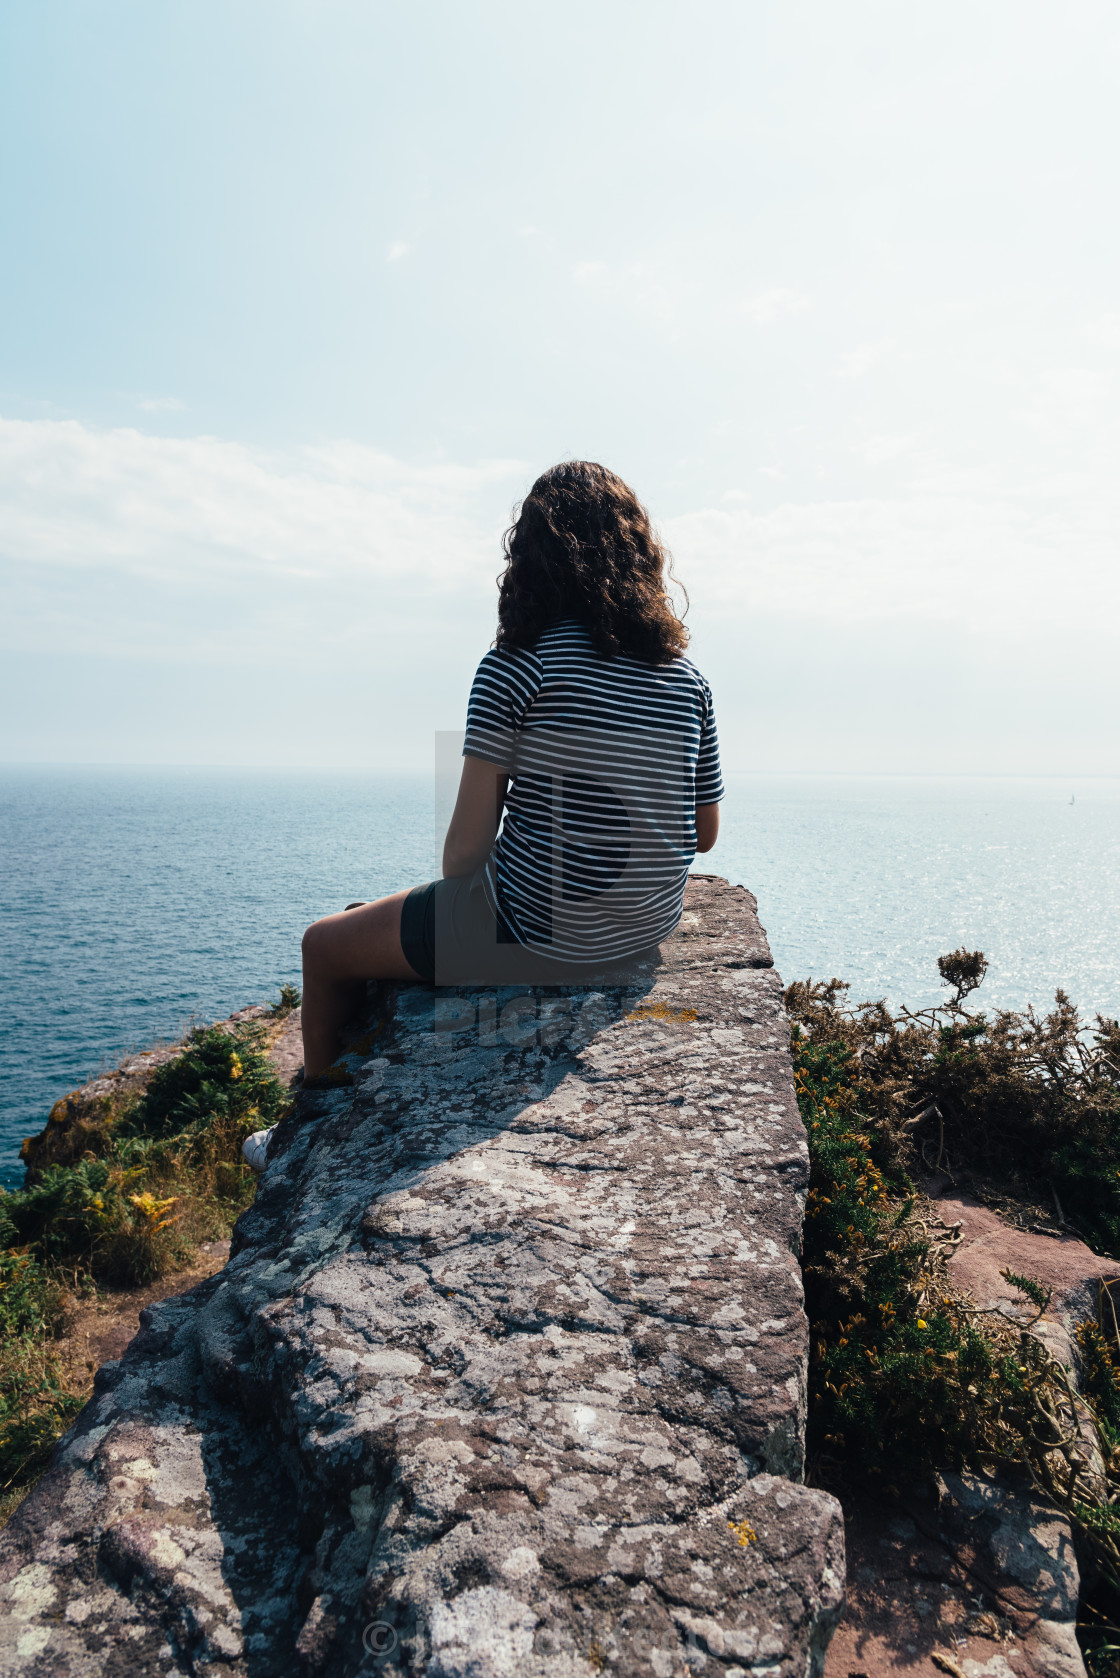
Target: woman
[593, 734]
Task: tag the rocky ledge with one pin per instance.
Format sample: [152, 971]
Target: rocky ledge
[505, 1374]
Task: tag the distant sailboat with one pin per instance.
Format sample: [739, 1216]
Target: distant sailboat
[1071, 798]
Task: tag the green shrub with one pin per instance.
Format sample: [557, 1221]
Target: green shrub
[139, 1184]
[901, 1375]
[166, 1174]
[905, 1372]
[39, 1395]
[39, 1398]
[31, 1300]
[1013, 1105]
[95, 1215]
[219, 1077]
[1100, 1377]
[290, 998]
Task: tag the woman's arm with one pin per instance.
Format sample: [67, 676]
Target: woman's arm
[474, 824]
[707, 826]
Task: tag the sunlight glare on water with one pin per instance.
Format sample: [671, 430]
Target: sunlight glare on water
[871, 879]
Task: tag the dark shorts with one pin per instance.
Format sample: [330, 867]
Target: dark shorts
[451, 936]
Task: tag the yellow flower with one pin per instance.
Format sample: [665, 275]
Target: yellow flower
[235, 1066]
[922, 1323]
[152, 1210]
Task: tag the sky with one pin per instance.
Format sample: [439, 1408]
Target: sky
[298, 296]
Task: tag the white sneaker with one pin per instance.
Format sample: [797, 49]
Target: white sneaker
[254, 1149]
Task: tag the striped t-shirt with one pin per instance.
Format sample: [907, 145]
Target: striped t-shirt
[608, 759]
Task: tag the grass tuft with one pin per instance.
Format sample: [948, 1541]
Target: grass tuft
[290, 999]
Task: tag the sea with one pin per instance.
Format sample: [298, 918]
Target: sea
[135, 901]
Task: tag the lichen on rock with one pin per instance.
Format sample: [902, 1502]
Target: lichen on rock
[506, 1372]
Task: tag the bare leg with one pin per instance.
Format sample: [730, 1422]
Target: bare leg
[339, 953]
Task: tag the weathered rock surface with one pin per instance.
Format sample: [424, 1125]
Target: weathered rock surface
[505, 1375]
[1062, 1263]
[974, 1576]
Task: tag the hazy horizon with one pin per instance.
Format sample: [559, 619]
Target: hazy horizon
[233, 767]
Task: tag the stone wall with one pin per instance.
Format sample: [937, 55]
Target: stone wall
[505, 1375]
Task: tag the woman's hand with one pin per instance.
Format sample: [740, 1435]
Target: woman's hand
[707, 826]
[474, 824]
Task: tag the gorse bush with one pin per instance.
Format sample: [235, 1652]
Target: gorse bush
[904, 1375]
[153, 1179]
[878, 1363]
[166, 1173]
[219, 1079]
[1015, 1105]
[95, 1216]
[905, 1372]
[64, 1215]
[1100, 1373]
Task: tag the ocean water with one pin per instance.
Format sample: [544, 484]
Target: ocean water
[133, 901]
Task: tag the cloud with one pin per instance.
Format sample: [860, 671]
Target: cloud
[397, 251]
[364, 585]
[146, 541]
[855, 363]
[682, 293]
[71, 495]
[876, 451]
[1105, 331]
[161, 405]
[146, 546]
[771, 305]
[998, 565]
[1067, 398]
[644, 288]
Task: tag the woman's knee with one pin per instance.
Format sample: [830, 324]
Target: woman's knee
[361, 944]
[316, 943]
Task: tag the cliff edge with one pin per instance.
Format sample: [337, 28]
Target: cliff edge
[505, 1374]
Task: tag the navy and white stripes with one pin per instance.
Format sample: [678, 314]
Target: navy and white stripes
[607, 758]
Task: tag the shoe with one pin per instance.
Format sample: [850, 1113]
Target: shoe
[254, 1149]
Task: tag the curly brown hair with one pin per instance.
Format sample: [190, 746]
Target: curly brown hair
[583, 547]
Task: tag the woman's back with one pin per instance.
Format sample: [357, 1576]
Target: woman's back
[608, 758]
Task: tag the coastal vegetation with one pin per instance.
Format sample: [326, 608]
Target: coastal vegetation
[906, 1374]
[121, 1189]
